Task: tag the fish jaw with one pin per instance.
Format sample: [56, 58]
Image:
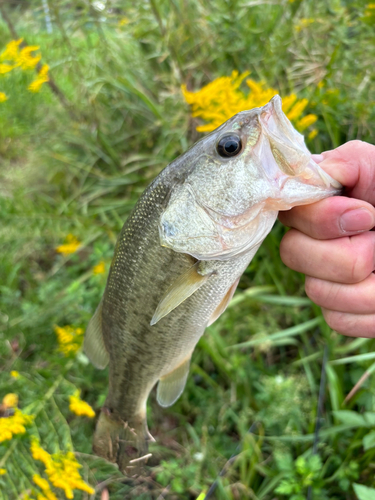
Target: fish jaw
[296, 178]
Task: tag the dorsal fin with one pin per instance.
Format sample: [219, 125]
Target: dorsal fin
[224, 303]
[93, 344]
[184, 286]
[171, 386]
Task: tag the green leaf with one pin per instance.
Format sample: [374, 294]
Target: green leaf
[349, 417]
[369, 440]
[364, 492]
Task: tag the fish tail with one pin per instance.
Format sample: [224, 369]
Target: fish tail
[124, 442]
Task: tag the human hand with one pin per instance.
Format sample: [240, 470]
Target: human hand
[332, 242]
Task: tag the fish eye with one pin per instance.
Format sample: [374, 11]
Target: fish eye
[229, 145]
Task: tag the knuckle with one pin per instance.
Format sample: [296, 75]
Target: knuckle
[361, 263]
[313, 288]
[335, 320]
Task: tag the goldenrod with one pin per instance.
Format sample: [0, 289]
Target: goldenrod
[15, 374]
[222, 98]
[313, 134]
[45, 487]
[5, 68]
[70, 339]
[3, 97]
[2, 472]
[42, 78]
[80, 407]
[14, 424]
[11, 51]
[26, 60]
[99, 268]
[10, 400]
[61, 469]
[71, 246]
[306, 122]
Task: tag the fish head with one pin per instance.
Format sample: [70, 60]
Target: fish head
[234, 182]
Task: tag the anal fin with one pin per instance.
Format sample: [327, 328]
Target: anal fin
[93, 344]
[171, 386]
[224, 303]
[184, 286]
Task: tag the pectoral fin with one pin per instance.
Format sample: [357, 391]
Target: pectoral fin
[93, 344]
[184, 286]
[224, 303]
[171, 386]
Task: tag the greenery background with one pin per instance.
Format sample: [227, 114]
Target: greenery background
[78, 169]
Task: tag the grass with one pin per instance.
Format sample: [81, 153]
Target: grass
[79, 169]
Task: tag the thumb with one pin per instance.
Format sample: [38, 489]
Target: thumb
[353, 165]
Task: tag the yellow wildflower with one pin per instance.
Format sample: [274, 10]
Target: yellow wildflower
[5, 68]
[10, 400]
[313, 134]
[123, 21]
[15, 374]
[61, 469]
[71, 246]
[69, 338]
[79, 407]
[304, 23]
[42, 78]
[45, 487]
[297, 109]
[3, 97]
[221, 99]
[14, 424]
[2, 472]
[306, 122]
[11, 51]
[99, 268]
[26, 60]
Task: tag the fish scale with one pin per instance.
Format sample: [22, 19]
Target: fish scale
[178, 260]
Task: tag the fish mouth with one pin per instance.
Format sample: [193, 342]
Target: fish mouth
[296, 176]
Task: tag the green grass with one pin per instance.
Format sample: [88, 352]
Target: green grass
[261, 361]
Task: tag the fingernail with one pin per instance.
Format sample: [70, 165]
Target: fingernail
[317, 158]
[359, 219]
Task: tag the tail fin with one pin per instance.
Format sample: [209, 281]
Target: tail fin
[122, 442]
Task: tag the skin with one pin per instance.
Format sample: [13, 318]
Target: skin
[332, 243]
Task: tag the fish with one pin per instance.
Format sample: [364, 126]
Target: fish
[178, 261]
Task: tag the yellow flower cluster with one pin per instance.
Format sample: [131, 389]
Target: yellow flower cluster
[14, 424]
[80, 407]
[62, 471]
[370, 10]
[10, 400]
[99, 268]
[22, 58]
[44, 485]
[70, 246]
[221, 99]
[2, 472]
[41, 78]
[69, 338]
[15, 374]
[304, 23]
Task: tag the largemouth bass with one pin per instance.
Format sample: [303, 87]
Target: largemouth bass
[179, 258]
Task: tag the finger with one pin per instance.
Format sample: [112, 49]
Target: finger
[344, 260]
[352, 164]
[356, 298]
[331, 218]
[353, 325]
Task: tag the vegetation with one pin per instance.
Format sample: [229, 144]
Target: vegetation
[83, 130]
